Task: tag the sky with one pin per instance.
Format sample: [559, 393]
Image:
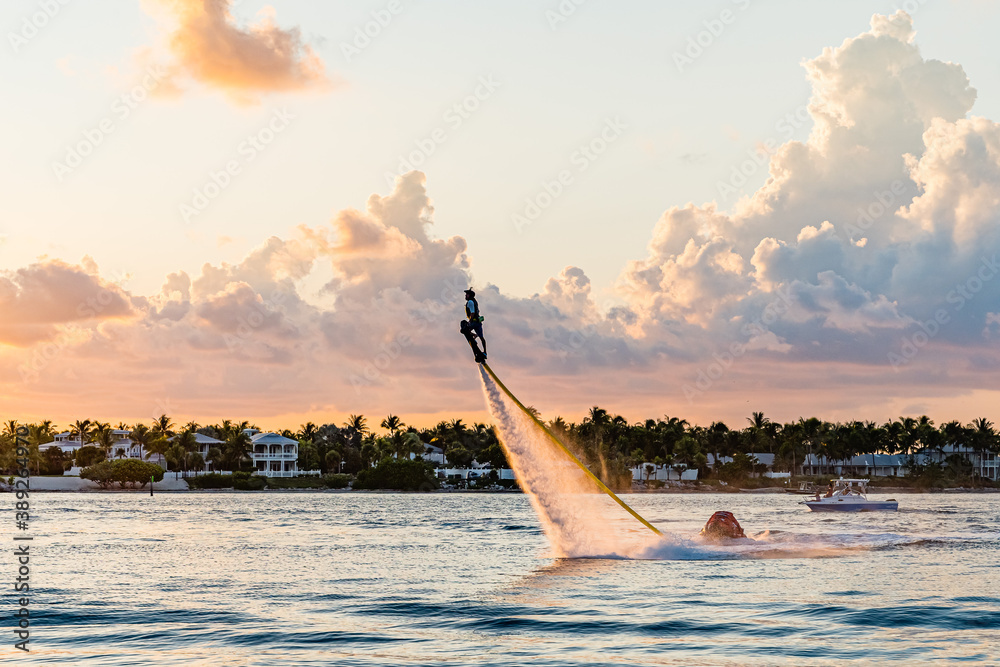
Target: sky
[229, 209]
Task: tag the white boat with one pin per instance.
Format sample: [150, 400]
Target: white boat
[850, 495]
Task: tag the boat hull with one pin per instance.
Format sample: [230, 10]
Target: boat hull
[847, 506]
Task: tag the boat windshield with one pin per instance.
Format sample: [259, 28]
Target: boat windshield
[847, 487]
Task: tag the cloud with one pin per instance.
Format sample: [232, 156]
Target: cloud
[208, 46]
[34, 299]
[885, 218]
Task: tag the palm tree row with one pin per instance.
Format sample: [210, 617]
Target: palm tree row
[607, 443]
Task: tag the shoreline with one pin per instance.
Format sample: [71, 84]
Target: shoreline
[76, 485]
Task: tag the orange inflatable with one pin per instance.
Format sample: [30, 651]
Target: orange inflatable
[723, 524]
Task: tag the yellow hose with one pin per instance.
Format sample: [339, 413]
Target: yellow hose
[561, 446]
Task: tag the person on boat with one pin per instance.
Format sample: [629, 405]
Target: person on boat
[474, 316]
[829, 491]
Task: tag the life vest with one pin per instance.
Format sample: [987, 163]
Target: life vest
[472, 310]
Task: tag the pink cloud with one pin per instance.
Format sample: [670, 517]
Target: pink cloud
[208, 46]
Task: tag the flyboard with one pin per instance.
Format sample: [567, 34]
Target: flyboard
[563, 447]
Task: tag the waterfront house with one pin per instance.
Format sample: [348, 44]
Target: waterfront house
[663, 473]
[122, 446]
[66, 442]
[895, 465]
[274, 455]
[204, 445]
[432, 454]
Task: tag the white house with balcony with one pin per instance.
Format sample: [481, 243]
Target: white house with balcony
[274, 455]
[121, 447]
[66, 442]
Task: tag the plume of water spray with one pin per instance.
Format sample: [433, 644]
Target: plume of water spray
[578, 518]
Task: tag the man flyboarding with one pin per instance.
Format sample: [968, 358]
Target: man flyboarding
[472, 327]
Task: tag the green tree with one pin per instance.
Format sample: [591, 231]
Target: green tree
[308, 456]
[141, 436]
[307, 432]
[81, 430]
[236, 449]
[100, 473]
[393, 424]
[89, 455]
[163, 425]
[103, 437]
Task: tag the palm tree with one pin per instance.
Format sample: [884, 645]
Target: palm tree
[668, 461]
[176, 457]
[164, 426]
[157, 446]
[195, 461]
[716, 436]
[142, 436]
[358, 423]
[177, 452]
[81, 429]
[10, 428]
[984, 438]
[409, 443]
[598, 417]
[761, 429]
[187, 440]
[892, 437]
[910, 434]
[392, 424]
[237, 448]
[306, 432]
[103, 438]
[956, 435]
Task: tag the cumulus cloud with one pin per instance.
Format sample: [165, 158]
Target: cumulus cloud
[210, 47]
[885, 202]
[37, 298]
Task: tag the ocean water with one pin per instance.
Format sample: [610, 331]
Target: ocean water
[470, 579]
